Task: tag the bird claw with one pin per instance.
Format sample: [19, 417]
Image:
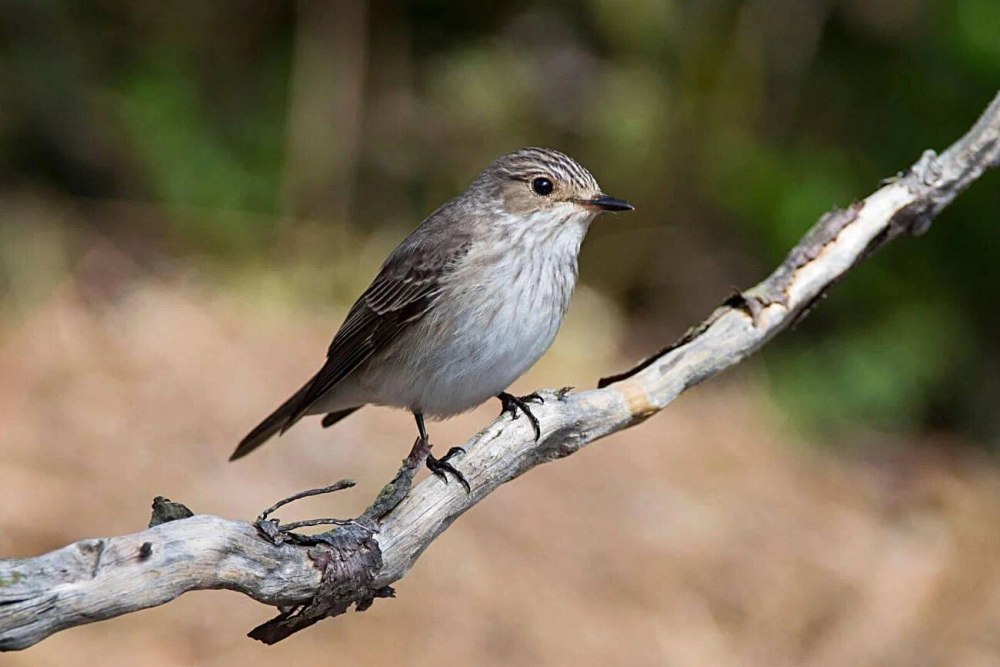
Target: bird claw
[442, 468]
[513, 403]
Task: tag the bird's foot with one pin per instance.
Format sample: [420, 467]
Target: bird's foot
[442, 468]
[513, 403]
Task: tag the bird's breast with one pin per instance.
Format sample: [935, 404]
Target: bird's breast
[495, 318]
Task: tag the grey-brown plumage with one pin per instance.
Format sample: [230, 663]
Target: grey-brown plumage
[465, 304]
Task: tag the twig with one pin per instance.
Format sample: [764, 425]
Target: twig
[339, 486]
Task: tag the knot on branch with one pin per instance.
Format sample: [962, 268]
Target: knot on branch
[916, 218]
[165, 510]
[349, 558]
[348, 555]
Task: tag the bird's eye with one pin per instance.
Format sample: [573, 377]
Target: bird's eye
[542, 186]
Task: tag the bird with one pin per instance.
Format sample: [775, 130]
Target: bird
[463, 306]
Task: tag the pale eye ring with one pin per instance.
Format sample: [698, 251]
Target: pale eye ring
[542, 186]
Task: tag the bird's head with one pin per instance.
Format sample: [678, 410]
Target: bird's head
[542, 187]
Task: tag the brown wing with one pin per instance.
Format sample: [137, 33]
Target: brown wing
[406, 287]
[404, 290]
[386, 309]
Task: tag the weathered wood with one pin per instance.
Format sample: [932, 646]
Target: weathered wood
[101, 578]
[98, 579]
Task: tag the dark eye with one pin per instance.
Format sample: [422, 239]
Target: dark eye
[542, 186]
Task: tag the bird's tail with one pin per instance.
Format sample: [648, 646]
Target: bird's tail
[276, 423]
[333, 417]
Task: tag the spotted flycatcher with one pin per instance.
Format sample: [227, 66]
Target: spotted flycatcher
[464, 305]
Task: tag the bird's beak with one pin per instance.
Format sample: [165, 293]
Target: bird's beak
[606, 203]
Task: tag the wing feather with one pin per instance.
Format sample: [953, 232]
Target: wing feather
[403, 292]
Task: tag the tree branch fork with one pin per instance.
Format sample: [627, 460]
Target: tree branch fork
[313, 577]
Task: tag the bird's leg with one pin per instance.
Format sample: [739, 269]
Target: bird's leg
[440, 466]
[513, 403]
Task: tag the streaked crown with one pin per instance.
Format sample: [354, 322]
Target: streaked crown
[526, 164]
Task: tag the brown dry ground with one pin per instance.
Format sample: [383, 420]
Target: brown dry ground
[710, 535]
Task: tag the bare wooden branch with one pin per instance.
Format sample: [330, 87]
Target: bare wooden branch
[357, 561]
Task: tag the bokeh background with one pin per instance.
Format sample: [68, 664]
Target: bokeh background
[192, 193]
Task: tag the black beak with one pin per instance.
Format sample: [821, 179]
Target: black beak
[606, 203]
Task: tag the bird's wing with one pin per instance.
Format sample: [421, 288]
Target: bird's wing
[403, 292]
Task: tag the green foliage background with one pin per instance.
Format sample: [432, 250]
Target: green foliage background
[245, 126]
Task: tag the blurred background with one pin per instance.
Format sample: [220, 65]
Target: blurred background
[192, 194]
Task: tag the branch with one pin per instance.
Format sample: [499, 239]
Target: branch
[310, 578]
